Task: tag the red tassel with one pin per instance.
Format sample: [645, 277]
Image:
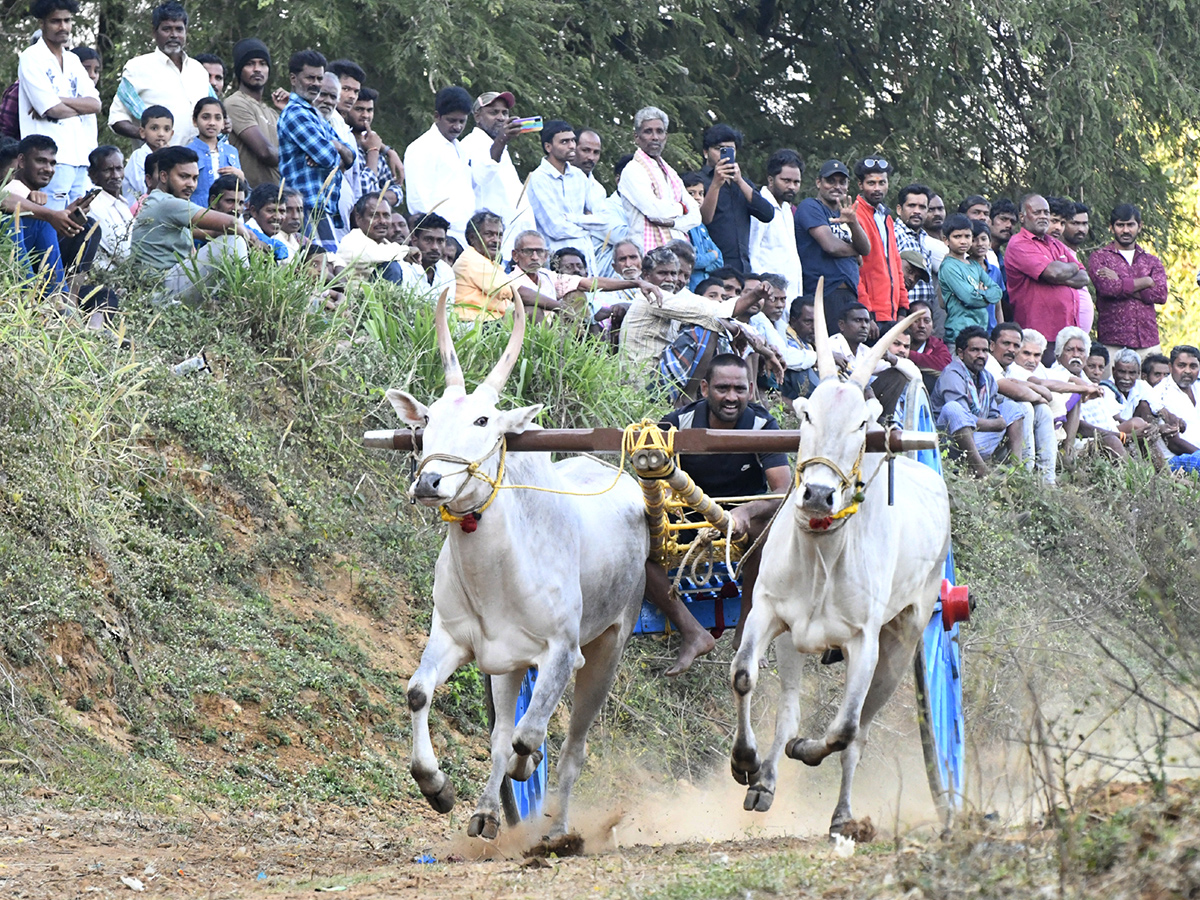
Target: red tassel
[469, 523]
[820, 524]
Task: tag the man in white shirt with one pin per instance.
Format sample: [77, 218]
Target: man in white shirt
[106, 169]
[1041, 442]
[431, 273]
[1175, 400]
[773, 243]
[498, 187]
[436, 166]
[55, 92]
[558, 193]
[772, 324]
[166, 76]
[658, 207]
[366, 247]
[608, 225]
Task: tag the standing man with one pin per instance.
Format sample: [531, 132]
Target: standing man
[311, 157]
[55, 93]
[976, 208]
[1130, 283]
[381, 170]
[254, 121]
[730, 199]
[830, 240]
[1042, 273]
[558, 193]
[1077, 228]
[658, 207]
[437, 167]
[609, 226]
[1003, 221]
[912, 204]
[881, 280]
[166, 76]
[773, 240]
[497, 184]
[215, 67]
[935, 215]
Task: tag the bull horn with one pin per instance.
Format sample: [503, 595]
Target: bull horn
[862, 372]
[826, 367]
[508, 359]
[450, 365]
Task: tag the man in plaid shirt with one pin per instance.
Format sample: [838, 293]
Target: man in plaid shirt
[910, 216]
[310, 155]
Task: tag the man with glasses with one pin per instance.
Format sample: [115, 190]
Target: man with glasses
[881, 280]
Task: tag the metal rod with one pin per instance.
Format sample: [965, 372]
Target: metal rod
[687, 441]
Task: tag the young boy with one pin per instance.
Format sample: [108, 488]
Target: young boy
[967, 290]
[157, 129]
[708, 254]
[981, 253]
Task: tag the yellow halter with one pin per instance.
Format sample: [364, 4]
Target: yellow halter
[852, 481]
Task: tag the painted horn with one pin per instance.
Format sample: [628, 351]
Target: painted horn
[826, 367]
[862, 372]
[454, 373]
[508, 359]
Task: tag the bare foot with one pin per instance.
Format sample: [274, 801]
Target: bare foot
[694, 645]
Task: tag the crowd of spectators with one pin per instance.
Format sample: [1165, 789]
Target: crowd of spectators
[672, 270]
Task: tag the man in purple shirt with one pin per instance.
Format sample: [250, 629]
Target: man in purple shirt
[1130, 283]
[1042, 273]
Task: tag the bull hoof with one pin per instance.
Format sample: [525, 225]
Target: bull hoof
[744, 764]
[809, 752]
[521, 768]
[483, 825]
[759, 798]
[443, 798]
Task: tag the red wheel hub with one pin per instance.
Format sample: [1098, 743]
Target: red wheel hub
[956, 604]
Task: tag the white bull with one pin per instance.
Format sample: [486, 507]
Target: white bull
[840, 569]
[543, 579]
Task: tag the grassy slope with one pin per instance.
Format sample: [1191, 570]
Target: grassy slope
[211, 590]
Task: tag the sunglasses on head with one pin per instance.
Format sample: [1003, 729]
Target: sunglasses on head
[873, 162]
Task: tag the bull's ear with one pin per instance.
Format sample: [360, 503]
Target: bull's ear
[800, 405]
[412, 412]
[515, 421]
[874, 410]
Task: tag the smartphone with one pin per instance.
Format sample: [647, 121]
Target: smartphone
[530, 125]
[728, 155]
[90, 196]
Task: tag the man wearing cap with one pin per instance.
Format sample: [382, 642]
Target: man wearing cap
[436, 166]
[830, 240]
[254, 121]
[497, 184]
[881, 280]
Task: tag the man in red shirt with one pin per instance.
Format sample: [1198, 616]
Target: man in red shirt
[881, 278]
[1042, 273]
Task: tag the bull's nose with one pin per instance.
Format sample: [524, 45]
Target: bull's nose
[427, 486]
[818, 499]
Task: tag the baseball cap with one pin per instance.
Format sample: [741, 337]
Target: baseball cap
[917, 261]
[489, 97]
[833, 167]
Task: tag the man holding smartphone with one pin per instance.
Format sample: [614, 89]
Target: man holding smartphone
[730, 199]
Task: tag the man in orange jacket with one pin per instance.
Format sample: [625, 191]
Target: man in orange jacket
[881, 278]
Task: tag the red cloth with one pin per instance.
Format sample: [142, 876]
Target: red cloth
[1046, 308]
[881, 278]
[10, 122]
[936, 355]
[1125, 318]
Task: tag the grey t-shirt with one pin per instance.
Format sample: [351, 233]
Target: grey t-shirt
[162, 231]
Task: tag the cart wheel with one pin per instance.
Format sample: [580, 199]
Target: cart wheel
[937, 673]
[519, 799]
[918, 416]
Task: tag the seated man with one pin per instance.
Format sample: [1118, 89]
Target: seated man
[1064, 403]
[771, 323]
[801, 331]
[55, 244]
[1071, 348]
[106, 169]
[482, 289]
[431, 272]
[228, 194]
[366, 249]
[1175, 400]
[968, 407]
[264, 215]
[162, 231]
[854, 328]
[928, 350]
[1155, 368]
[1040, 439]
[725, 404]
[648, 328]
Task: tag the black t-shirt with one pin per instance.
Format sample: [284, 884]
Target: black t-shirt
[728, 474]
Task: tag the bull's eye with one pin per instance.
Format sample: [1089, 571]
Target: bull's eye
[481, 421]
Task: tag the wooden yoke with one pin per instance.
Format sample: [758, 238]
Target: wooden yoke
[687, 441]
